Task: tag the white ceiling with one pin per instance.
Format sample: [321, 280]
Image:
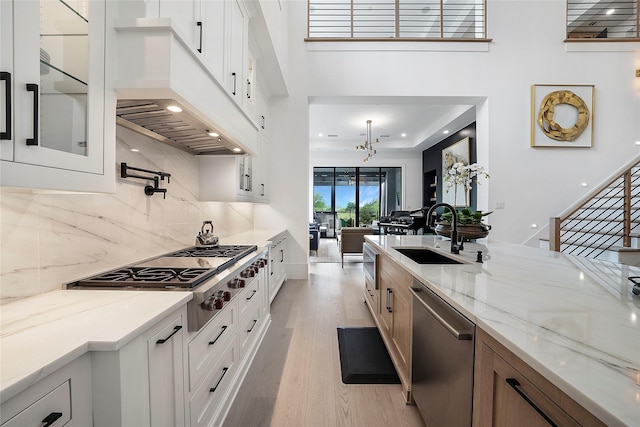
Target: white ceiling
[342, 121]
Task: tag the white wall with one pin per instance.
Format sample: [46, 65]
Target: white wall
[527, 49]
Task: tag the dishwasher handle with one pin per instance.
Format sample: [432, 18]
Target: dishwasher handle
[458, 334]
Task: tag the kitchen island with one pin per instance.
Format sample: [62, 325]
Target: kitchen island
[573, 320]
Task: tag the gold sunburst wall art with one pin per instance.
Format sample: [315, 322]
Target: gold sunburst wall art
[562, 115]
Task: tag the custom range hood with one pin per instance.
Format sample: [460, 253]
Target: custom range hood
[167, 121]
[156, 70]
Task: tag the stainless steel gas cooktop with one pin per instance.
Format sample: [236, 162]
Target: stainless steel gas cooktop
[184, 269]
[194, 270]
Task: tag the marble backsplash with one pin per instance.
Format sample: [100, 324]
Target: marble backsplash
[47, 240]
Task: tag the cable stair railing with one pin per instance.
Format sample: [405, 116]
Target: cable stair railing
[604, 222]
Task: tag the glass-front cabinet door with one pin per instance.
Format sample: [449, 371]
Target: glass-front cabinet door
[58, 84]
[6, 86]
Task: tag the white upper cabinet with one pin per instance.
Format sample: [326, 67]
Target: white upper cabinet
[186, 17]
[213, 24]
[226, 178]
[261, 171]
[238, 33]
[250, 85]
[6, 72]
[53, 108]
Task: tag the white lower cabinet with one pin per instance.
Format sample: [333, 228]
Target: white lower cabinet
[207, 347]
[166, 377]
[206, 402]
[277, 264]
[61, 399]
[142, 384]
[250, 315]
[220, 354]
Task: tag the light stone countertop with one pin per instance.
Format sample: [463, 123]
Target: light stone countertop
[42, 333]
[572, 319]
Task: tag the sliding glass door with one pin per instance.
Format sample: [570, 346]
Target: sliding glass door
[352, 197]
[345, 203]
[323, 195]
[369, 191]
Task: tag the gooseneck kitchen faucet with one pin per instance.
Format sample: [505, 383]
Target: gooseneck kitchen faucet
[455, 247]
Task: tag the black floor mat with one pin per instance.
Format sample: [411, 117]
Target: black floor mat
[364, 358]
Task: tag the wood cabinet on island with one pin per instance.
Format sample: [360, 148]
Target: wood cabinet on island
[394, 317]
[565, 328]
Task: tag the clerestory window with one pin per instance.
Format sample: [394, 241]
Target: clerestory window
[397, 19]
[604, 19]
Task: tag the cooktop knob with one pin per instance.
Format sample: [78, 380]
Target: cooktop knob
[209, 304]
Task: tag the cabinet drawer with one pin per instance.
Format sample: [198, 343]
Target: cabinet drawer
[211, 343]
[249, 328]
[509, 392]
[250, 295]
[518, 401]
[371, 296]
[54, 406]
[213, 392]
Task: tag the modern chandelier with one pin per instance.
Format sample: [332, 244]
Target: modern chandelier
[368, 144]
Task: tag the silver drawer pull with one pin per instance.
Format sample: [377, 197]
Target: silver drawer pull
[461, 336]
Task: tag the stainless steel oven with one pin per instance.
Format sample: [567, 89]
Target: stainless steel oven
[369, 262]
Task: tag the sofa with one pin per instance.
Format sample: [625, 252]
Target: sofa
[352, 239]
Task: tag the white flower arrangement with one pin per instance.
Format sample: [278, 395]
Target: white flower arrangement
[463, 175]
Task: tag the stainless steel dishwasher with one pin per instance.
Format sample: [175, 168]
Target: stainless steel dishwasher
[443, 352]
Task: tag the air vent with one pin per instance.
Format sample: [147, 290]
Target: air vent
[332, 136]
[181, 130]
[385, 136]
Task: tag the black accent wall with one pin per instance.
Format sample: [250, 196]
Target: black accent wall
[432, 165]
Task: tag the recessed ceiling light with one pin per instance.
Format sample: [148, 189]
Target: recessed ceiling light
[213, 134]
[135, 150]
[610, 12]
[174, 108]
[237, 150]
[403, 135]
[445, 132]
[584, 184]
[320, 134]
[637, 142]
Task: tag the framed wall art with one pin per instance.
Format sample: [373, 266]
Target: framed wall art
[562, 115]
[458, 152]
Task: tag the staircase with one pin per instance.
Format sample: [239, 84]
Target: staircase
[606, 223]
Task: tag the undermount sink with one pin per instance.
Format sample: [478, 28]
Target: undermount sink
[426, 256]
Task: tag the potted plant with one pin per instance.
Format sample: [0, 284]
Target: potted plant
[470, 225]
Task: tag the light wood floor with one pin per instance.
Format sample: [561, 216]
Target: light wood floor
[295, 379]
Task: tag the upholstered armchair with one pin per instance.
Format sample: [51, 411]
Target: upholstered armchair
[352, 239]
